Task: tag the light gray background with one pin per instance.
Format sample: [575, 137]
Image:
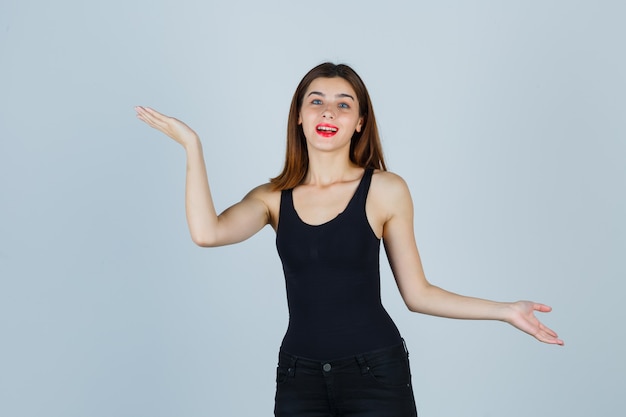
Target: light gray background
[506, 118]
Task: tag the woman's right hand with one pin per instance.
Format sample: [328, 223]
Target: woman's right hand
[207, 229]
[172, 127]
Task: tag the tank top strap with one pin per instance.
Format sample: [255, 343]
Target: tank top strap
[286, 196]
[286, 204]
[361, 192]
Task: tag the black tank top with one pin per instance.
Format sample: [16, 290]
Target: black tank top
[333, 282]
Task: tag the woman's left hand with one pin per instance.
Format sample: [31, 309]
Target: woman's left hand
[523, 317]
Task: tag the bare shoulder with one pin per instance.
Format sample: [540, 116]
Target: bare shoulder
[388, 199]
[269, 197]
[387, 185]
[265, 193]
[390, 195]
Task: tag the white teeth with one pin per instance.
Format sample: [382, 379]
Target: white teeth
[326, 128]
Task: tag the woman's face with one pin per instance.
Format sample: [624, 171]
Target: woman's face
[330, 114]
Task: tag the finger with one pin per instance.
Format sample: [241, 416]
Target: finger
[144, 117]
[153, 112]
[161, 121]
[152, 117]
[159, 117]
[149, 112]
[551, 340]
[547, 330]
[542, 308]
[548, 335]
[142, 114]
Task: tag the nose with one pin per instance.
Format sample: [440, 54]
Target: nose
[328, 113]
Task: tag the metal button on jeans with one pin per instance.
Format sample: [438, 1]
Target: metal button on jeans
[327, 367]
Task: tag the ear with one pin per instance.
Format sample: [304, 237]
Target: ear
[359, 125]
[299, 118]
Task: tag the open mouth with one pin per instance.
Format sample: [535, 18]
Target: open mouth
[326, 129]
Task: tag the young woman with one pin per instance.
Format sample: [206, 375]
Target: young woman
[331, 206]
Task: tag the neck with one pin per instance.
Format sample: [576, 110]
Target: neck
[327, 169]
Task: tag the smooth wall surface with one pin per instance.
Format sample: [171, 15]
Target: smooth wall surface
[507, 120]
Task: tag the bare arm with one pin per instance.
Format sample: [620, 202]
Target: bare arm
[423, 297]
[235, 224]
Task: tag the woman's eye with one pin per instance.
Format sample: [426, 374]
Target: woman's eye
[344, 106]
[316, 101]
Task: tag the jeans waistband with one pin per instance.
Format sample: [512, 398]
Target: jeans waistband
[363, 360]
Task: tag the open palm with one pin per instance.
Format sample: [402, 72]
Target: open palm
[172, 127]
[523, 318]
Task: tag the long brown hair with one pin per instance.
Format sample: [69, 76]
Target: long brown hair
[365, 148]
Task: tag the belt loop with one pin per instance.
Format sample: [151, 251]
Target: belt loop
[362, 364]
[292, 368]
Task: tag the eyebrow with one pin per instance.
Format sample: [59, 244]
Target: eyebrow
[342, 95]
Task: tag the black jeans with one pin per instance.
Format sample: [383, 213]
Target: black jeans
[373, 384]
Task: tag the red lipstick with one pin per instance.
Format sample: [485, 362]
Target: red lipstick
[326, 130]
